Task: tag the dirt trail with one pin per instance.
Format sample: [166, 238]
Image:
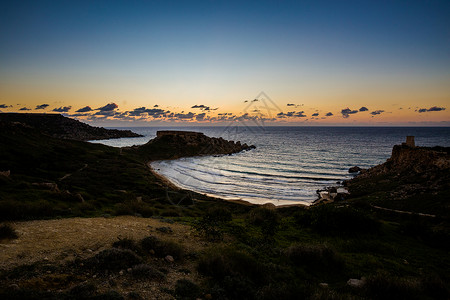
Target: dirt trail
[65, 239]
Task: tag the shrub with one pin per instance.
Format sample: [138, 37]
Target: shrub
[314, 257]
[265, 218]
[145, 271]
[186, 289]
[126, 243]
[223, 262]
[7, 232]
[162, 248]
[210, 225]
[329, 219]
[383, 286]
[114, 259]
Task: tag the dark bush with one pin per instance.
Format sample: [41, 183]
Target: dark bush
[210, 225]
[114, 259]
[265, 218]
[329, 219]
[223, 262]
[186, 289]
[383, 286]
[162, 248]
[7, 232]
[144, 271]
[127, 243]
[314, 257]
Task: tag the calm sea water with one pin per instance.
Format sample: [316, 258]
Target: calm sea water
[289, 163]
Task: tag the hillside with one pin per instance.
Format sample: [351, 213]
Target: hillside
[58, 126]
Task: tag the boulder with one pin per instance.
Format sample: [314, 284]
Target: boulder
[354, 169]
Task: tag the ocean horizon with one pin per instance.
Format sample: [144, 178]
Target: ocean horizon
[289, 164]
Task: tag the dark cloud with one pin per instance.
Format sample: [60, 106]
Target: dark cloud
[300, 114]
[153, 112]
[422, 110]
[315, 114]
[182, 116]
[42, 106]
[25, 108]
[435, 108]
[347, 111]
[156, 105]
[63, 109]
[363, 109]
[5, 106]
[108, 107]
[200, 117]
[255, 100]
[245, 101]
[84, 109]
[290, 104]
[329, 114]
[377, 112]
[106, 113]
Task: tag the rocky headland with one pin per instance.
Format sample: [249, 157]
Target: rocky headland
[58, 126]
[175, 144]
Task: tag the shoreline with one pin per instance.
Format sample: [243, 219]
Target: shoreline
[172, 185]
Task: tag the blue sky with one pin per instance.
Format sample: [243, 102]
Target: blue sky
[324, 55]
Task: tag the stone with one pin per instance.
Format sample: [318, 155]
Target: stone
[354, 169]
[5, 173]
[169, 258]
[165, 229]
[353, 282]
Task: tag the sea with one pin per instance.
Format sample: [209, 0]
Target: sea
[288, 165]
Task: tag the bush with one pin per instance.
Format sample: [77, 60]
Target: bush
[126, 243]
[186, 289]
[7, 232]
[223, 262]
[384, 286]
[210, 225]
[265, 218]
[162, 248]
[114, 259]
[329, 219]
[144, 271]
[314, 257]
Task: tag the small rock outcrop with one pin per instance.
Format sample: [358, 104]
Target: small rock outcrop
[58, 126]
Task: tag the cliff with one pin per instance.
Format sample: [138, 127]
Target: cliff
[175, 144]
[58, 126]
[415, 179]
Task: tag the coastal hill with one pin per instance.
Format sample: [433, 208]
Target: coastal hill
[413, 178]
[58, 126]
[175, 144]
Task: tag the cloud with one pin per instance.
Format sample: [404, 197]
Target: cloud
[42, 106]
[290, 104]
[181, 116]
[156, 105]
[434, 108]
[84, 109]
[5, 106]
[63, 109]
[255, 100]
[108, 107]
[363, 109]
[315, 114]
[200, 117]
[25, 108]
[300, 114]
[377, 112]
[347, 111]
[153, 112]
[329, 114]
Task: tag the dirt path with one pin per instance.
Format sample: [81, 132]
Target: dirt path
[65, 239]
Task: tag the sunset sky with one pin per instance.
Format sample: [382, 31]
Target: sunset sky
[135, 63]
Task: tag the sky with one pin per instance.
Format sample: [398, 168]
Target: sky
[143, 63]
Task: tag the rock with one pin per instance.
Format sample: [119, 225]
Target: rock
[353, 282]
[5, 173]
[80, 198]
[47, 185]
[121, 272]
[354, 169]
[169, 258]
[14, 287]
[323, 284]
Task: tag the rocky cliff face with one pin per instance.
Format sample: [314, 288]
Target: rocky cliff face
[173, 144]
[411, 161]
[58, 126]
